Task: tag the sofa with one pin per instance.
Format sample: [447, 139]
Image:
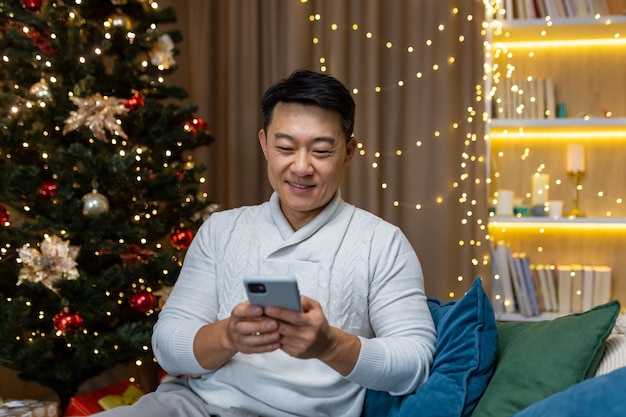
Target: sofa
[573, 365]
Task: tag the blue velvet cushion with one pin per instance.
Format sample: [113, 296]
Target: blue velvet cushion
[463, 363]
[597, 396]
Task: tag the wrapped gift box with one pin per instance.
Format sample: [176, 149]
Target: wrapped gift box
[28, 408]
[123, 393]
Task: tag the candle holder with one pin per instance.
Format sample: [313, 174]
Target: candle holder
[575, 211]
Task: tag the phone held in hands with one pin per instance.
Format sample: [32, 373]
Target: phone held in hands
[277, 291]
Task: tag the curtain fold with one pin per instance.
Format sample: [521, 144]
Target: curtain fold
[415, 69]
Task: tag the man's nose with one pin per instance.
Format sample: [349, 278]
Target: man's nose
[302, 163]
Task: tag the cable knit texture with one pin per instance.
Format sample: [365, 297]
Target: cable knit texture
[615, 354]
[360, 268]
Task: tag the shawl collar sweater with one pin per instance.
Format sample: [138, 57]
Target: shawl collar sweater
[361, 269]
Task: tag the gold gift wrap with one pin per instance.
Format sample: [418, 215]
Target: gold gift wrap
[128, 397]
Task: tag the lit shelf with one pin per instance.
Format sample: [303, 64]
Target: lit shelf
[558, 123]
[561, 220]
[570, 29]
[543, 224]
[585, 129]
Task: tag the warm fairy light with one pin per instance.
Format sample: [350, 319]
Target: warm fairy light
[324, 27]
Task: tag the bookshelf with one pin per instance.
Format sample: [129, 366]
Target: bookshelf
[584, 58]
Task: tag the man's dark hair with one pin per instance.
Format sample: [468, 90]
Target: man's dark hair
[309, 87]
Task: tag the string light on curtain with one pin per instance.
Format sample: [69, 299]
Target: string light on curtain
[323, 27]
[400, 83]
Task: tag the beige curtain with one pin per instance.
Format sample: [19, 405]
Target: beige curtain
[419, 122]
[233, 49]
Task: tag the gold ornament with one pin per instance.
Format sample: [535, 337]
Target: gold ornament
[41, 91]
[56, 260]
[118, 20]
[95, 204]
[98, 113]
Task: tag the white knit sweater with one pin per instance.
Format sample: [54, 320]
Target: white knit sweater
[360, 268]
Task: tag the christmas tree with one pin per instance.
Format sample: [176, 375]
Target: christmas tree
[99, 193]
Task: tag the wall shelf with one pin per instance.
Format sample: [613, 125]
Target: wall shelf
[547, 67]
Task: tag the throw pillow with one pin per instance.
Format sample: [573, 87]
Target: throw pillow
[538, 359]
[463, 362]
[598, 396]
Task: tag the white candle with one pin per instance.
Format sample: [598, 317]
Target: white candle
[575, 158]
[504, 203]
[540, 186]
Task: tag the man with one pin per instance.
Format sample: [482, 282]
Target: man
[364, 322]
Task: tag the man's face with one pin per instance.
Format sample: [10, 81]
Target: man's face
[306, 153]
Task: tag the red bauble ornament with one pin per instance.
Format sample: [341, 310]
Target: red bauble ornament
[67, 321]
[135, 101]
[4, 215]
[49, 188]
[195, 126]
[142, 301]
[33, 5]
[181, 237]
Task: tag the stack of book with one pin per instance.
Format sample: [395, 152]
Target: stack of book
[529, 98]
[532, 289]
[561, 9]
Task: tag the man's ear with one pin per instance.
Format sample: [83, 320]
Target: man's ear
[263, 142]
[350, 150]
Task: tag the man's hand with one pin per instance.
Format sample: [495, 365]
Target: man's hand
[307, 335]
[250, 331]
[247, 330]
[253, 329]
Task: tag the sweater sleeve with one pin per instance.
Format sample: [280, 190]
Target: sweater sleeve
[191, 304]
[399, 357]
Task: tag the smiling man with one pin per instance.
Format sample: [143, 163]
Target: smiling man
[364, 322]
[306, 152]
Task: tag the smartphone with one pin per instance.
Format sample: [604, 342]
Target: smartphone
[277, 291]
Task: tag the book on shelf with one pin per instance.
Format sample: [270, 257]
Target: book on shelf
[549, 277]
[508, 8]
[577, 8]
[521, 287]
[602, 284]
[540, 7]
[562, 9]
[549, 98]
[519, 10]
[532, 98]
[581, 287]
[503, 286]
[546, 287]
[564, 285]
[587, 287]
[600, 7]
[576, 277]
[514, 285]
[528, 283]
[540, 291]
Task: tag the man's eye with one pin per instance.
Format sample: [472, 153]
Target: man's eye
[284, 149]
[321, 152]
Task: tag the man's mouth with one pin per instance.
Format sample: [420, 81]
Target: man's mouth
[300, 186]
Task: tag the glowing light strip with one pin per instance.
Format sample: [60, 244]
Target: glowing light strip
[578, 43]
[564, 135]
[590, 225]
